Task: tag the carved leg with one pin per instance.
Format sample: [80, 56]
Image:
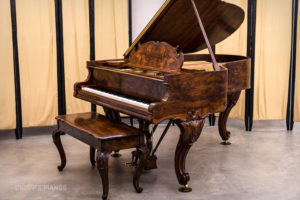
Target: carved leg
[143, 154]
[190, 132]
[102, 165]
[232, 99]
[56, 139]
[92, 156]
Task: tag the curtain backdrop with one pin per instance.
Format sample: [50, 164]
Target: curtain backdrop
[273, 38]
[76, 50]
[37, 56]
[297, 93]
[273, 46]
[111, 35]
[111, 26]
[7, 91]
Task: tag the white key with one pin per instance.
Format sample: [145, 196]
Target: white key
[116, 97]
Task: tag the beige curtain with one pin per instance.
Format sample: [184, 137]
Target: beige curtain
[76, 50]
[7, 91]
[236, 44]
[273, 45]
[111, 28]
[297, 89]
[111, 35]
[37, 55]
[273, 35]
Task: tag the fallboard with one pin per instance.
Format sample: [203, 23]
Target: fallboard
[142, 84]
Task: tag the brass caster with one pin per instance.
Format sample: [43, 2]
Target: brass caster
[185, 188]
[225, 142]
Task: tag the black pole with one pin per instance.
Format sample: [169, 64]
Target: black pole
[19, 126]
[250, 53]
[212, 117]
[130, 21]
[291, 93]
[60, 58]
[92, 37]
[130, 36]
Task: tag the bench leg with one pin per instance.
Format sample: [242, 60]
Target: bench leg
[102, 165]
[143, 153]
[56, 139]
[92, 156]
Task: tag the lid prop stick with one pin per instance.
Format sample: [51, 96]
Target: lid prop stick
[212, 55]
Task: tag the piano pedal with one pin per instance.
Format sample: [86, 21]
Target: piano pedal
[116, 154]
[134, 159]
[226, 142]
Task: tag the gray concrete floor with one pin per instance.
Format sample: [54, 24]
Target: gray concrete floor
[263, 164]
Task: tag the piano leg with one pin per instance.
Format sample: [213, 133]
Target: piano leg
[189, 133]
[232, 99]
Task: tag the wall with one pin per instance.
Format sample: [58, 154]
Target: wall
[142, 12]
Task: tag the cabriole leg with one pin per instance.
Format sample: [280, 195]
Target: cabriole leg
[189, 133]
[102, 165]
[143, 154]
[224, 133]
[56, 139]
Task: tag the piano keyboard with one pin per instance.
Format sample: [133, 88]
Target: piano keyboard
[116, 97]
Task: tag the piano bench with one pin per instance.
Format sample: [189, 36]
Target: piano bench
[105, 136]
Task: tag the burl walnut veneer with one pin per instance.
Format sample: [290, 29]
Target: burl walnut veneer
[152, 84]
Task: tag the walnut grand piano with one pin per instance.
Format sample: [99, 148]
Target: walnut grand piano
[152, 84]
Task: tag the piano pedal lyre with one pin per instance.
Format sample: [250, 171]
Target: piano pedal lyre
[151, 161]
[134, 159]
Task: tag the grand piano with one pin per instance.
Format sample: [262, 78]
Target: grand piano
[161, 78]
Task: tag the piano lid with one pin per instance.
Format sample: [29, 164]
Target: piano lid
[176, 24]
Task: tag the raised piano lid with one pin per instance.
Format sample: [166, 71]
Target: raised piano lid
[176, 24]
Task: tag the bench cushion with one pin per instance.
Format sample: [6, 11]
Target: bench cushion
[98, 126]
